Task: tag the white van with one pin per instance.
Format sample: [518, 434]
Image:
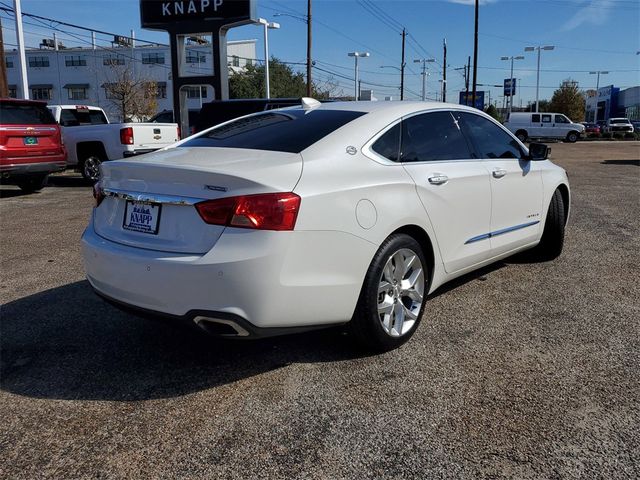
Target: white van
[543, 125]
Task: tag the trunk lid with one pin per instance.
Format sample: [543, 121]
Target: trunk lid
[176, 179]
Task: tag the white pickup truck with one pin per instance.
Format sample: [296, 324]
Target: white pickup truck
[90, 138]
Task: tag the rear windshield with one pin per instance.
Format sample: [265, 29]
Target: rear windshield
[23, 114]
[75, 118]
[281, 131]
[619, 120]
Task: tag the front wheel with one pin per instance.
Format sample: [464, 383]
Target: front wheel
[522, 135]
[572, 137]
[393, 295]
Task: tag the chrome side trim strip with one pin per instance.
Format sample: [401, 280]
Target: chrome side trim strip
[25, 129]
[484, 236]
[151, 197]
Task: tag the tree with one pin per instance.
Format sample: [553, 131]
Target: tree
[284, 82]
[492, 111]
[133, 96]
[543, 106]
[568, 100]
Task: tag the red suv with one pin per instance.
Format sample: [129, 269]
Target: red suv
[30, 144]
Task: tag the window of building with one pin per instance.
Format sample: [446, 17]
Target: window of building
[432, 137]
[8, 61]
[77, 93]
[13, 91]
[151, 58]
[113, 60]
[41, 93]
[196, 57]
[388, 145]
[490, 140]
[75, 61]
[38, 62]
[161, 90]
[235, 61]
[194, 92]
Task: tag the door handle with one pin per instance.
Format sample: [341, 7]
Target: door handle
[499, 173]
[438, 179]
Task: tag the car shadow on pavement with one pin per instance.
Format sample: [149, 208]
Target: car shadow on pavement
[66, 343]
[621, 162]
[10, 192]
[68, 181]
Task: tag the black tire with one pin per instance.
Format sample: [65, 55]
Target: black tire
[33, 183]
[552, 242]
[90, 167]
[572, 137]
[366, 325]
[522, 135]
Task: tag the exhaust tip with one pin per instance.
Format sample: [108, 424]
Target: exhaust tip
[220, 327]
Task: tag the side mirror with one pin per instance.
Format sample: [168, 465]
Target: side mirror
[538, 151]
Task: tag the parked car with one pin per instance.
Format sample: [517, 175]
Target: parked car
[602, 124]
[543, 125]
[636, 125]
[616, 125]
[30, 144]
[591, 127]
[91, 139]
[219, 111]
[321, 215]
[166, 116]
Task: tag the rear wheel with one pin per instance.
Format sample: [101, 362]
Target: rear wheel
[552, 242]
[393, 295]
[572, 137]
[33, 183]
[90, 167]
[522, 135]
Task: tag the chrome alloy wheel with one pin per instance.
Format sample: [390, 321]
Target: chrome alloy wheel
[91, 168]
[400, 292]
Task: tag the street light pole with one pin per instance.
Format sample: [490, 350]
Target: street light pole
[538, 48]
[267, 25]
[512, 58]
[424, 62]
[17, 11]
[599, 72]
[357, 55]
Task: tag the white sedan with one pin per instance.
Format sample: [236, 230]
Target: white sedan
[320, 215]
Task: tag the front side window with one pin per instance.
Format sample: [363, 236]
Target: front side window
[75, 61]
[561, 119]
[388, 145]
[39, 62]
[286, 131]
[433, 137]
[490, 140]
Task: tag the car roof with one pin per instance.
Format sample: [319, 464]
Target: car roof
[88, 107]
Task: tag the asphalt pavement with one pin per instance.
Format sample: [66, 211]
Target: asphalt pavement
[522, 370]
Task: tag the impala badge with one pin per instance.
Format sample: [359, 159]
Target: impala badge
[216, 188]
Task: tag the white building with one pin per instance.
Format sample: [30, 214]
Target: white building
[78, 76]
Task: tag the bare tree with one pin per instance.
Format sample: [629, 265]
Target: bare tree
[132, 95]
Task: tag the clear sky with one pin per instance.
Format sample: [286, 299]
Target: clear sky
[588, 35]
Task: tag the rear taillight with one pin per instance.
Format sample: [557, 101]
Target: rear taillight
[266, 211]
[179, 133]
[126, 136]
[98, 194]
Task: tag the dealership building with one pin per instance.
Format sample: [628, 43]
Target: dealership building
[79, 76]
[611, 102]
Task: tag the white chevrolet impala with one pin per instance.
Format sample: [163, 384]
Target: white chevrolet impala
[320, 215]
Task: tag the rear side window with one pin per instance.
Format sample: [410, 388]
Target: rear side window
[24, 114]
[74, 118]
[388, 145]
[433, 136]
[489, 139]
[281, 131]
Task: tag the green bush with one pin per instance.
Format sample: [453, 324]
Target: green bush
[618, 135]
[607, 135]
[594, 135]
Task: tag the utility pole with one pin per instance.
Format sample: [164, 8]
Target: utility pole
[4, 87]
[17, 11]
[424, 62]
[309, 93]
[538, 48]
[475, 55]
[404, 34]
[444, 71]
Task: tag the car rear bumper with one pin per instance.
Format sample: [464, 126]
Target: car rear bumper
[257, 279]
[134, 153]
[11, 167]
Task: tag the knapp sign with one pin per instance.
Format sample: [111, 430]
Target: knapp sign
[163, 13]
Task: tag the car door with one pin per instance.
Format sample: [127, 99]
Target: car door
[516, 184]
[453, 186]
[546, 125]
[562, 126]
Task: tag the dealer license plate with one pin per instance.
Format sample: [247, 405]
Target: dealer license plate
[30, 140]
[141, 217]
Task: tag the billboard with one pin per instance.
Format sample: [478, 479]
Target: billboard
[466, 100]
[507, 87]
[158, 14]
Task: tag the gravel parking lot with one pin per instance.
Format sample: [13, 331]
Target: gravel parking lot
[519, 371]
